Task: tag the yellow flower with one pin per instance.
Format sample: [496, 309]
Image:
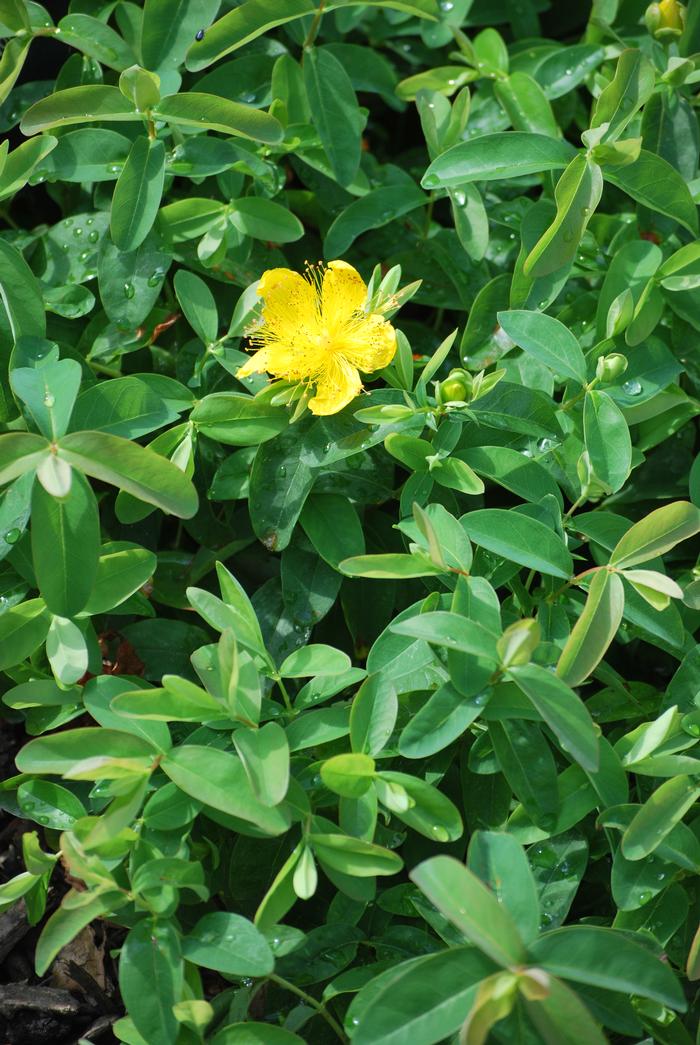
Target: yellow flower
[314, 329]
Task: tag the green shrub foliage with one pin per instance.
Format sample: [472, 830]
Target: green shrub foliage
[375, 724]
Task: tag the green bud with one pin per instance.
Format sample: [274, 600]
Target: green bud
[665, 20]
[611, 367]
[456, 388]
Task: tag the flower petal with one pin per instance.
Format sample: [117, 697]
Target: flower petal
[335, 387]
[290, 309]
[370, 343]
[343, 294]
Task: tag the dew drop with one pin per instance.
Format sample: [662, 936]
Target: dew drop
[84, 255]
[13, 535]
[49, 400]
[129, 291]
[77, 232]
[440, 833]
[90, 221]
[155, 278]
[281, 471]
[93, 236]
[632, 387]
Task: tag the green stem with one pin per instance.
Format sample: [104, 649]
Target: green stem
[310, 1000]
[428, 215]
[574, 580]
[315, 26]
[579, 395]
[99, 368]
[285, 695]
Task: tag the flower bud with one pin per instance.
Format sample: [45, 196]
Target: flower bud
[456, 388]
[611, 367]
[665, 20]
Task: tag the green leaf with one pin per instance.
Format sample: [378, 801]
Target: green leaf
[265, 756]
[66, 922]
[194, 109]
[388, 566]
[526, 104]
[13, 14]
[23, 628]
[451, 631]
[219, 780]
[265, 219]
[11, 64]
[21, 452]
[658, 816]
[348, 775]
[528, 479]
[353, 856]
[434, 994]
[238, 420]
[371, 211]
[373, 715]
[96, 39]
[500, 862]
[88, 104]
[606, 958]
[49, 804]
[178, 701]
[49, 393]
[229, 944]
[471, 907]
[238, 27]
[520, 539]
[22, 161]
[58, 753]
[577, 195]
[653, 182]
[442, 719]
[65, 546]
[332, 525]
[168, 29]
[656, 534]
[607, 439]
[335, 112]
[594, 630]
[562, 710]
[137, 194]
[151, 979]
[493, 156]
[198, 305]
[314, 659]
[547, 340]
[20, 294]
[275, 506]
[131, 467]
[562, 1018]
[627, 92]
[252, 1033]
